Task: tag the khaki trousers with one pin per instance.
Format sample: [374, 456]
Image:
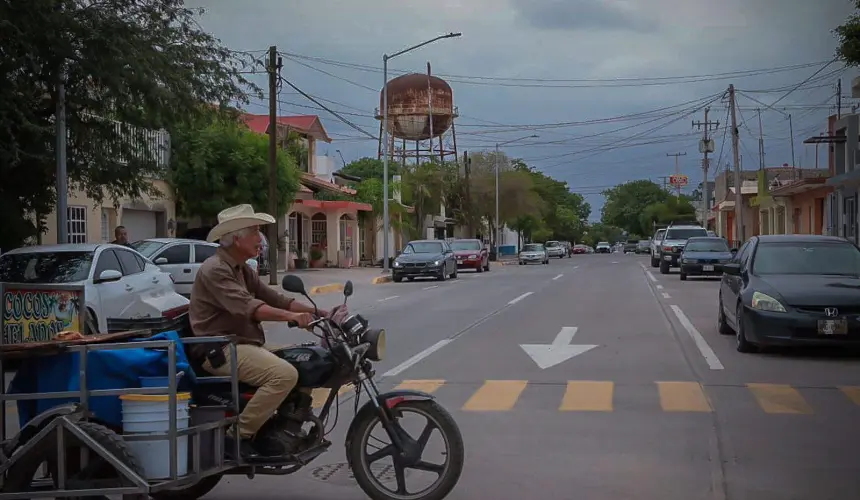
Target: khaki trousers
[273, 377]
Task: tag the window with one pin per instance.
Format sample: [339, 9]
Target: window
[708, 245]
[533, 247]
[45, 267]
[685, 234]
[147, 248]
[464, 245]
[203, 252]
[107, 262]
[105, 226]
[129, 261]
[817, 258]
[77, 224]
[177, 254]
[742, 251]
[424, 247]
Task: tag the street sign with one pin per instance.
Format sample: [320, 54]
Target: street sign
[548, 355]
[678, 180]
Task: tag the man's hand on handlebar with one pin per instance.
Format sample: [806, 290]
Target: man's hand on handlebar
[300, 319]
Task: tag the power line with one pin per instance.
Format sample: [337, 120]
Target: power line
[323, 106]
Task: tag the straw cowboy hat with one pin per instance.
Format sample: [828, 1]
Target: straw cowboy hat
[236, 218]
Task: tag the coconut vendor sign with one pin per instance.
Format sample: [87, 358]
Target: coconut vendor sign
[37, 313]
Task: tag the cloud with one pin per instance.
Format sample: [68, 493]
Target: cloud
[538, 62]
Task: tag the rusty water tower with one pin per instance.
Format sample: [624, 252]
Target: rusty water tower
[421, 115]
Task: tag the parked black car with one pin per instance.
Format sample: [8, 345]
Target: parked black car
[425, 259]
[781, 290]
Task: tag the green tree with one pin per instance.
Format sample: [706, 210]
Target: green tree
[370, 168]
[625, 203]
[601, 232]
[221, 163]
[129, 66]
[672, 210]
[848, 35]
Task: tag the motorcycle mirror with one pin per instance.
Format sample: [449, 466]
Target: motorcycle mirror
[293, 284]
[347, 288]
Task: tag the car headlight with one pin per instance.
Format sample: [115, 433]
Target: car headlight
[437, 263]
[473, 256]
[376, 338]
[764, 302]
[397, 264]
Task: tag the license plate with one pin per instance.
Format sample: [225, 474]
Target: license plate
[833, 327]
[459, 259]
[707, 268]
[667, 257]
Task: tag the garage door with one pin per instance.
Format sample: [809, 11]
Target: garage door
[140, 224]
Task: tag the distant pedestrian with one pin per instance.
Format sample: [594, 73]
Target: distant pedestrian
[121, 236]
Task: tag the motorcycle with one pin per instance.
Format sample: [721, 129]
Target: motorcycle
[349, 349]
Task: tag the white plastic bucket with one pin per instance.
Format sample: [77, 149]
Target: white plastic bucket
[150, 414]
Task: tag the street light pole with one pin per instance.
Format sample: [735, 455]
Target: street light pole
[385, 216]
[496, 168]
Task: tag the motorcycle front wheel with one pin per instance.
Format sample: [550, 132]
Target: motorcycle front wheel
[362, 459]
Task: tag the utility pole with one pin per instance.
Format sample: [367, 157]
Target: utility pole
[467, 167]
[791, 134]
[62, 182]
[839, 99]
[273, 67]
[705, 149]
[677, 170]
[739, 214]
[760, 142]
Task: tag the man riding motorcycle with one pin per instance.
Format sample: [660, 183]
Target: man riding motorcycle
[229, 299]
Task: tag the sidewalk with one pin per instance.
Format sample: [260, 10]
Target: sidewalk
[331, 280]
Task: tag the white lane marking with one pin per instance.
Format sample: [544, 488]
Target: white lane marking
[651, 276]
[666, 295]
[659, 287]
[389, 298]
[557, 277]
[415, 359]
[575, 267]
[615, 262]
[521, 297]
[430, 287]
[707, 353]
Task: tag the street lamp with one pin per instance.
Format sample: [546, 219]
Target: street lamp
[496, 165]
[385, 217]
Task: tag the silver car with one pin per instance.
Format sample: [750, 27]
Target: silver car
[555, 249]
[533, 253]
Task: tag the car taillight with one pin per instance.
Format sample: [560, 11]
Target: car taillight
[175, 312]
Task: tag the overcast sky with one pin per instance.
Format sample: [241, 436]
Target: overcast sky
[527, 67]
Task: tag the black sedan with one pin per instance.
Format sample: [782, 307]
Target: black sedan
[704, 256]
[425, 259]
[782, 290]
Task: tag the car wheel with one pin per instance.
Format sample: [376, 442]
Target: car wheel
[683, 277]
[654, 262]
[522, 263]
[741, 342]
[664, 267]
[442, 276]
[397, 279]
[722, 326]
[480, 268]
[454, 274]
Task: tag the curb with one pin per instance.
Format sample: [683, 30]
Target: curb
[381, 279]
[330, 288]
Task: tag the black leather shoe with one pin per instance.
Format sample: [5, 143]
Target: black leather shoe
[246, 449]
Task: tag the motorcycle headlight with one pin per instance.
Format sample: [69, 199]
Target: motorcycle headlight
[376, 338]
[354, 324]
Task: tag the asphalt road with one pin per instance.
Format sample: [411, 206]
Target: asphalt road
[660, 406]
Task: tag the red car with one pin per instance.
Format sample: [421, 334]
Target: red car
[471, 254]
[579, 249]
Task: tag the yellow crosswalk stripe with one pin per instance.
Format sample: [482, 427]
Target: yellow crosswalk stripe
[496, 395]
[588, 395]
[853, 393]
[428, 386]
[683, 397]
[779, 398]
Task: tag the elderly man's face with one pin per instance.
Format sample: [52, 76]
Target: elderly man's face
[250, 243]
[122, 235]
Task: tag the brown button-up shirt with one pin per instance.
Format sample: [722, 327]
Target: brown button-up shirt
[224, 298]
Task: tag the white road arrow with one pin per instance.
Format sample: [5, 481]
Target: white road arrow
[549, 355]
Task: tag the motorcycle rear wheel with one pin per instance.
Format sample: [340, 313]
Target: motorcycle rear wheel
[368, 419]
